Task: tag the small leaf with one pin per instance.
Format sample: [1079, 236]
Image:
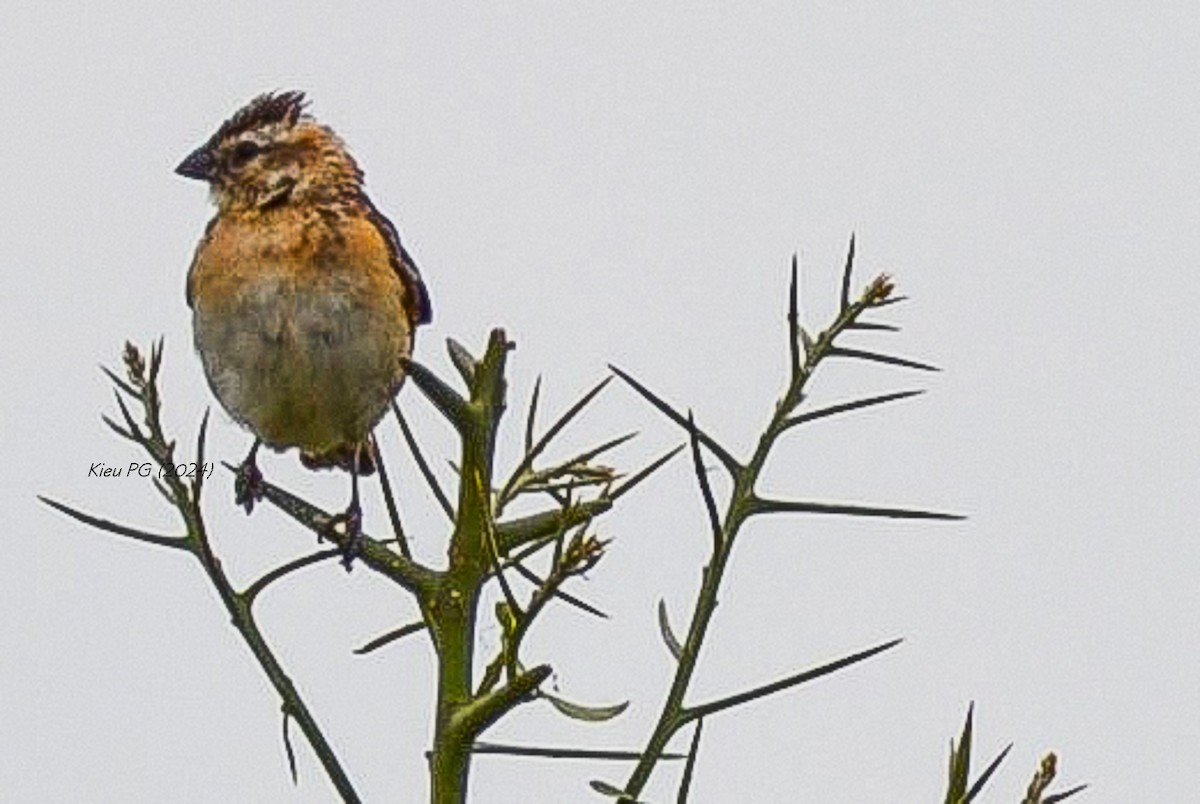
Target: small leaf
[166, 493]
[591, 714]
[156, 353]
[120, 530]
[550, 752]
[609, 790]
[545, 525]
[704, 710]
[846, 274]
[201, 436]
[576, 469]
[510, 600]
[422, 464]
[121, 431]
[124, 386]
[287, 746]
[389, 500]
[1063, 796]
[960, 762]
[706, 490]
[531, 417]
[685, 783]
[807, 341]
[722, 454]
[133, 428]
[462, 360]
[566, 597]
[846, 407]
[390, 637]
[987, 773]
[762, 506]
[664, 627]
[794, 328]
[643, 474]
[872, 326]
[531, 454]
[255, 589]
[448, 401]
[710, 505]
[876, 357]
[595, 452]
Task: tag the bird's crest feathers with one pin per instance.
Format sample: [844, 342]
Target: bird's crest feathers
[267, 108]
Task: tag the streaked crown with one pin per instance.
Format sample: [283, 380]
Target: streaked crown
[270, 153]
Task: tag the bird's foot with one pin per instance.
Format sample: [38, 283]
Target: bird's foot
[351, 538]
[248, 485]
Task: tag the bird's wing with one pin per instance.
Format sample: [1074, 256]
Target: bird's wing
[196, 258]
[402, 262]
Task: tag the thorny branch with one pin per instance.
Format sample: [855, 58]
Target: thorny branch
[141, 386]
[483, 546]
[480, 548]
[806, 354]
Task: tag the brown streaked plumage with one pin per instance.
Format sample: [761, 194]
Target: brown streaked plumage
[304, 302]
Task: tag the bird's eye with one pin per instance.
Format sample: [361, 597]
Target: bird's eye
[244, 151]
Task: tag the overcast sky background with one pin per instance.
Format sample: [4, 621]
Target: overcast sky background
[626, 183]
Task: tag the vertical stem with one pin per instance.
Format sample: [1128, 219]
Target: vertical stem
[454, 637]
[453, 609]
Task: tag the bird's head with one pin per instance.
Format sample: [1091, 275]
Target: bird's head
[271, 153]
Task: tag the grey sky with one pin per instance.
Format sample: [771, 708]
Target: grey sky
[626, 182]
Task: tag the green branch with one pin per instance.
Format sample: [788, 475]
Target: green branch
[482, 547]
[806, 354]
[142, 387]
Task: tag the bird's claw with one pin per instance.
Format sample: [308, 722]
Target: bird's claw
[248, 485]
[351, 520]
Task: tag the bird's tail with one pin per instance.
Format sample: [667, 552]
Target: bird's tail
[341, 457]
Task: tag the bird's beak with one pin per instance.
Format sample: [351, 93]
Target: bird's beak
[198, 165]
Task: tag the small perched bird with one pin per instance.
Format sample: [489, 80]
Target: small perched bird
[304, 301]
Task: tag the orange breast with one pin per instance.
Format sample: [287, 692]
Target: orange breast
[301, 323]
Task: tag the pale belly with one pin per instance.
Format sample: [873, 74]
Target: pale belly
[307, 367]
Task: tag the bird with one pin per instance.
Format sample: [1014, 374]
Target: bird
[305, 303]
